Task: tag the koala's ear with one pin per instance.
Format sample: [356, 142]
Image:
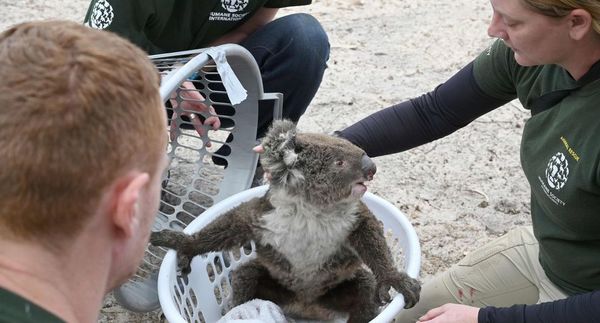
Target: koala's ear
[281, 137]
[279, 156]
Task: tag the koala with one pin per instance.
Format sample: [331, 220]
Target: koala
[314, 237]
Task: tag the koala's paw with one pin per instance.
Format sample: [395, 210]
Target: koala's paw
[409, 287]
[184, 262]
[174, 240]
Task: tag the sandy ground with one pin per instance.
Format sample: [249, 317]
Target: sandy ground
[459, 192]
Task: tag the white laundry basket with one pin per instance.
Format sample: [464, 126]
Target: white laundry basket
[205, 293]
[228, 78]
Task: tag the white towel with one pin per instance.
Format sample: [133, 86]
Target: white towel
[255, 311]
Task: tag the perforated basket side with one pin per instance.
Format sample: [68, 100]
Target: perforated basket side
[175, 307]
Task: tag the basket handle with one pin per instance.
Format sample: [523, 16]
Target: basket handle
[277, 104]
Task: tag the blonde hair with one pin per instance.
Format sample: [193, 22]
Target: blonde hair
[78, 108]
[561, 8]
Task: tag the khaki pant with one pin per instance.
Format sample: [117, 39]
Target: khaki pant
[502, 273]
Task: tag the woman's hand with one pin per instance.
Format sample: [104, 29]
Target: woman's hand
[451, 313]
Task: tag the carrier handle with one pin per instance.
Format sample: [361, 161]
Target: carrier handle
[277, 99]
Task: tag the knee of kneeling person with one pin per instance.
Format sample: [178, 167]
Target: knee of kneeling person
[308, 35]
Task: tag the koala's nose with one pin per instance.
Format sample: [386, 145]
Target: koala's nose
[368, 167]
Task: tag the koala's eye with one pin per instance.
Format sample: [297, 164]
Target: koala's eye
[340, 163]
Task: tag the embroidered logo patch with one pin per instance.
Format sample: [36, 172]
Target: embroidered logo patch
[557, 171]
[234, 5]
[102, 15]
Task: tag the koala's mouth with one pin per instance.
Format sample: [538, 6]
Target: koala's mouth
[359, 189]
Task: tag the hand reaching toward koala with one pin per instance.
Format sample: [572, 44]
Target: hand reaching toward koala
[188, 101]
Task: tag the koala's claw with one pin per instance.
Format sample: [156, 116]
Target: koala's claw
[411, 292]
[184, 262]
[383, 294]
[409, 287]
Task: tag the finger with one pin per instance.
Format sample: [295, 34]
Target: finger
[213, 121]
[195, 121]
[432, 313]
[259, 149]
[195, 102]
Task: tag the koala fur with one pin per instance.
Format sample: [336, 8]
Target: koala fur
[313, 235]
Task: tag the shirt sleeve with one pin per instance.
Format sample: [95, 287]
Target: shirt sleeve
[286, 3]
[451, 106]
[495, 71]
[582, 308]
[130, 19]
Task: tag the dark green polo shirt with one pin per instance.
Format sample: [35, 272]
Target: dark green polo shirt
[162, 26]
[560, 155]
[16, 309]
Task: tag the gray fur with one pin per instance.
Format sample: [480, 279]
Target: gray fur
[312, 232]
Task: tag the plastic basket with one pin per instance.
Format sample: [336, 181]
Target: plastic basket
[194, 182]
[204, 294]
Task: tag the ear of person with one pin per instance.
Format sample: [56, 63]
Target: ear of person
[580, 23]
[127, 195]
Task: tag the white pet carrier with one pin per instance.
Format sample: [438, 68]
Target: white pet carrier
[228, 79]
[204, 294]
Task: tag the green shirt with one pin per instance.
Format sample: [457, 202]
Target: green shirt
[163, 26]
[560, 155]
[16, 309]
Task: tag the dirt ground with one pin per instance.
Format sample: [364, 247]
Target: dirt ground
[460, 191]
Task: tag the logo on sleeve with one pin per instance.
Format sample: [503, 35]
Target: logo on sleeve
[102, 15]
[234, 5]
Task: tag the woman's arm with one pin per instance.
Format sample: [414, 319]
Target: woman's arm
[582, 308]
[451, 106]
